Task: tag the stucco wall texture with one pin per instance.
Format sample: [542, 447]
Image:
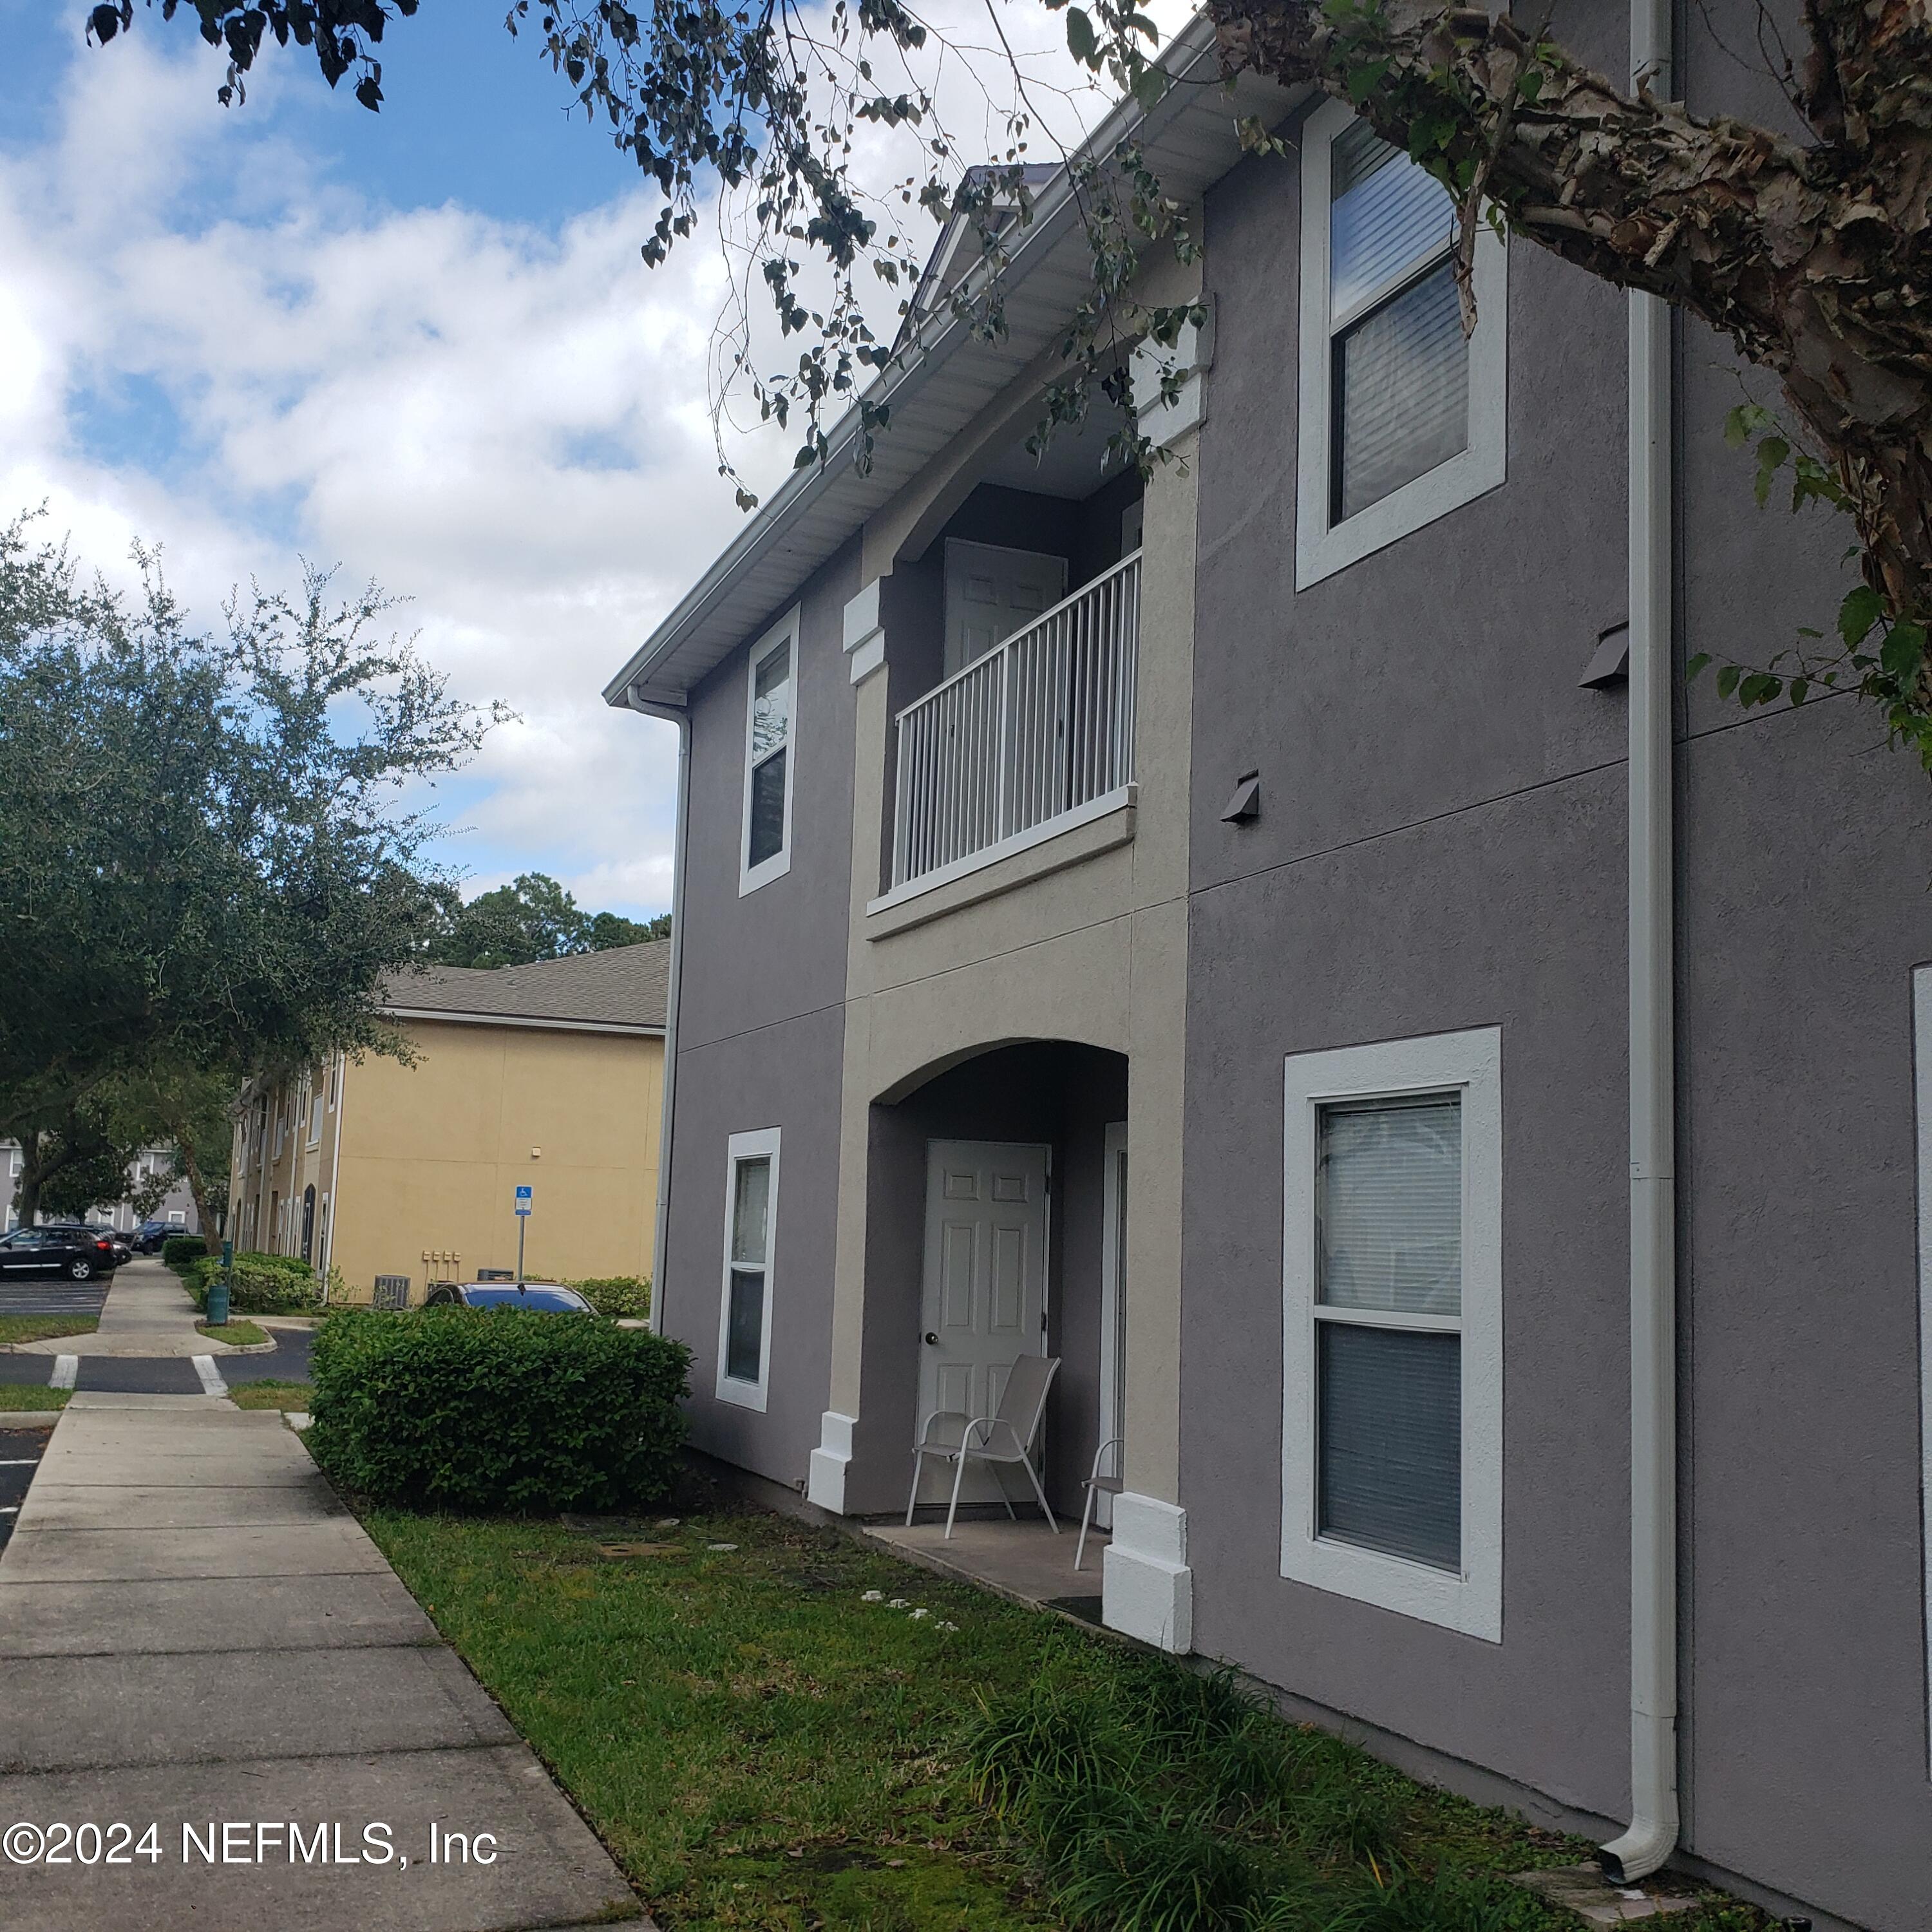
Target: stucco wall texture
[761, 1033]
[431, 1154]
[1442, 845]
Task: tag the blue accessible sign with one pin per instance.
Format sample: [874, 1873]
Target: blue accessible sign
[524, 1197]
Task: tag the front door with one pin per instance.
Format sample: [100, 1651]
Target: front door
[985, 1293]
[992, 592]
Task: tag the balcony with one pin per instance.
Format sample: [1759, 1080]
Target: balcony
[1030, 740]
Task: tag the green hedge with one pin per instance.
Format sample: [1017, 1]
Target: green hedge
[627, 1295]
[261, 1285]
[497, 1409]
[179, 1250]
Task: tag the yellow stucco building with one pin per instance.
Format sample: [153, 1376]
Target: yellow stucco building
[547, 1076]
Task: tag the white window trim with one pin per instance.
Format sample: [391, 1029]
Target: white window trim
[751, 876]
[1321, 550]
[1471, 1063]
[761, 1141]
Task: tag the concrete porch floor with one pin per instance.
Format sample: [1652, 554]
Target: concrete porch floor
[1023, 1561]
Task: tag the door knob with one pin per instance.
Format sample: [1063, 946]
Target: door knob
[932, 1338]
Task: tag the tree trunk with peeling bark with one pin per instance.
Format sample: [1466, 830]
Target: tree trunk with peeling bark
[1813, 259]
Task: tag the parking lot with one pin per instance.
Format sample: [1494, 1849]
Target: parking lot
[52, 1296]
[20, 1449]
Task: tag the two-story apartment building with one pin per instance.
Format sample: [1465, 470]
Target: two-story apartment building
[176, 1207]
[1285, 943]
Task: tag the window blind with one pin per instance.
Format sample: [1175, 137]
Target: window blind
[745, 1322]
[1402, 393]
[1388, 1207]
[1389, 1402]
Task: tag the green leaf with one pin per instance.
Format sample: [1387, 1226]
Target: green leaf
[1080, 42]
[1150, 85]
[1760, 687]
[1904, 650]
[1801, 689]
[1362, 81]
[1697, 665]
[1862, 608]
[1727, 679]
[1531, 85]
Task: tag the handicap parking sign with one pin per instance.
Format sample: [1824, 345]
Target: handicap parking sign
[524, 1197]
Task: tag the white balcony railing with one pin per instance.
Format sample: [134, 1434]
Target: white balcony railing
[1038, 729]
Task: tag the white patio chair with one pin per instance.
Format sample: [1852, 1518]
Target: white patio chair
[1003, 1437]
[1097, 1484]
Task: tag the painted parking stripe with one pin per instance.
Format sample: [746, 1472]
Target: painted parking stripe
[67, 1372]
[211, 1376]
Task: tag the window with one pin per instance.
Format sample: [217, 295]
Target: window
[315, 1119]
[1401, 419]
[750, 1216]
[770, 715]
[1392, 1298]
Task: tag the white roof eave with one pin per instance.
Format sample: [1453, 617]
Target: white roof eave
[816, 510]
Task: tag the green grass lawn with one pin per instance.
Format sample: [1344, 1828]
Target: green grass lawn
[13, 1398]
[265, 1394]
[45, 1327]
[763, 1747]
[236, 1333]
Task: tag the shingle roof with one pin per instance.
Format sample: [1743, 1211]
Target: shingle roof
[623, 986]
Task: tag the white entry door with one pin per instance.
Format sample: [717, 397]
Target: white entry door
[991, 592]
[985, 1297]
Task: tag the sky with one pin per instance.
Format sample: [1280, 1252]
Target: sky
[419, 346]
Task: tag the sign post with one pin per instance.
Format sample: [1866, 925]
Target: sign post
[524, 1196]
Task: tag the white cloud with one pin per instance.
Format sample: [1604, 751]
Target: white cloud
[507, 424]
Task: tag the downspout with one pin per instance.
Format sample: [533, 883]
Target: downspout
[1652, 1835]
[673, 714]
[335, 1169]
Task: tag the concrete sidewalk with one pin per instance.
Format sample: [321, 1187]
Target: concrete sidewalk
[195, 1633]
[147, 1313]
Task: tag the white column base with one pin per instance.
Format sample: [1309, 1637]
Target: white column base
[826, 1484]
[1147, 1590]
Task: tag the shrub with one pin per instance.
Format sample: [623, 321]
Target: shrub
[498, 1409]
[180, 1250]
[260, 1284]
[626, 1295]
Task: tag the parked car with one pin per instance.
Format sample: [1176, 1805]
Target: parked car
[546, 1298]
[124, 1251]
[81, 1254]
[149, 1236]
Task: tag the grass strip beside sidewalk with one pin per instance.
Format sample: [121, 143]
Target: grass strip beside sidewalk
[17, 1399]
[772, 1737]
[234, 1333]
[45, 1327]
[268, 1394]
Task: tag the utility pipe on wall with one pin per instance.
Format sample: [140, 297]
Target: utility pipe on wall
[673, 715]
[1652, 1835]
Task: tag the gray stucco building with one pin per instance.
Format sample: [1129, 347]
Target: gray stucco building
[1256, 835]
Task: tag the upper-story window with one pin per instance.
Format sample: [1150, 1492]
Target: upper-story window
[1402, 418]
[770, 726]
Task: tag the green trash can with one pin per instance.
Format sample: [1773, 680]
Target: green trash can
[217, 1289]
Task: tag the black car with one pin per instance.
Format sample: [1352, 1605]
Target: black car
[149, 1236]
[81, 1254]
[545, 1297]
[123, 1251]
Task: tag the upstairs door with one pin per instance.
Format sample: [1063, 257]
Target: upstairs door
[985, 1292]
[991, 592]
